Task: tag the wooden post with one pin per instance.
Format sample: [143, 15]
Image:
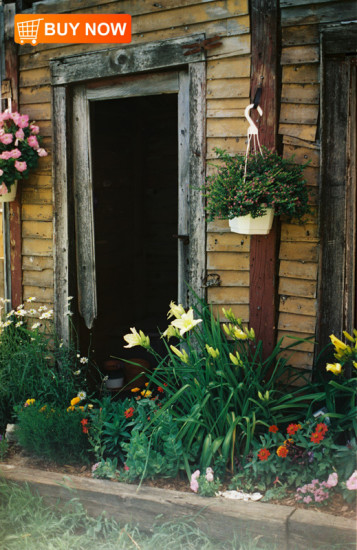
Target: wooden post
[264, 248]
[11, 74]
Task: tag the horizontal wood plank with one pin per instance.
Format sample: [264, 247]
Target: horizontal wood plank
[37, 230]
[298, 305]
[307, 252]
[231, 145]
[300, 93]
[38, 278]
[37, 247]
[299, 114]
[290, 338]
[228, 261]
[300, 74]
[308, 232]
[32, 195]
[297, 287]
[301, 131]
[297, 323]
[232, 278]
[37, 212]
[312, 13]
[227, 242]
[37, 263]
[226, 127]
[300, 54]
[230, 295]
[228, 87]
[241, 311]
[298, 270]
[43, 295]
[218, 226]
[302, 155]
[232, 67]
[300, 35]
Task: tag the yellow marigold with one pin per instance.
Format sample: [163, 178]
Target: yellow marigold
[75, 401]
[29, 402]
[71, 408]
[42, 409]
[282, 451]
[134, 390]
[146, 393]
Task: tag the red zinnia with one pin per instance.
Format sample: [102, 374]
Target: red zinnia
[263, 454]
[129, 412]
[84, 421]
[273, 429]
[321, 428]
[160, 389]
[317, 437]
[293, 428]
[85, 430]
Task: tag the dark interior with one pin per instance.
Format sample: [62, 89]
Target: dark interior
[135, 193]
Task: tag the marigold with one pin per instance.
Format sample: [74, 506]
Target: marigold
[129, 412]
[317, 437]
[273, 429]
[75, 401]
[282, 451]
[134, 390]
[263, 454]
[146, 393]
[293, 428]
[321, 427]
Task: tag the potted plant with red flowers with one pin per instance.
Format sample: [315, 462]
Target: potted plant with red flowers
[249, 191]
[20, 149]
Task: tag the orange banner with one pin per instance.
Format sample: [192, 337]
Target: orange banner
[72, 29]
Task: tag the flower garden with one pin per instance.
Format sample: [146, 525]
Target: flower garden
[213, 414]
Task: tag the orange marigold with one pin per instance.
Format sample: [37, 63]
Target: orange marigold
[273, 429]
[321, 427]
[263, 454]
[317, 437]
[293, 428]
[129, 412]
[282, 451]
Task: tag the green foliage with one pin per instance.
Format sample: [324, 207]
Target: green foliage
[54, 434]
[208, 488]
[106, 469]
[270, 182]
[36, 365]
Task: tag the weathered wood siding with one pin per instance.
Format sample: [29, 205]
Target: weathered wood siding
[228, 83]
[299, 127]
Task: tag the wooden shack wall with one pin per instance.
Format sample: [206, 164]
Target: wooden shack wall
[228, 87]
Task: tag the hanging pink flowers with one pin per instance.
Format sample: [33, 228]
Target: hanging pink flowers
[20, 149]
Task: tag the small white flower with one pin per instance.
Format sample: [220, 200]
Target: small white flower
[31, 299]
[10, 313]
[47, 314]
[19, 324]
[76, 372]
[20, 313]
[82, 395]
[42, 308]
[83, 360]
[21, 306]
[7, 323]
[105, 378]
[61, 345]
[33, 339]
[35, 325]
[78, 355]
[70, 313]
[32, 311]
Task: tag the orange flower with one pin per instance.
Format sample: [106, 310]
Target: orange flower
[134, 390]
[84, 421]
[317, 437]
[263, 454]
[129, 412]
[74, 401]
[322, 428]
[282, 451]
[273, 429]
[293, 428]
[85, 430]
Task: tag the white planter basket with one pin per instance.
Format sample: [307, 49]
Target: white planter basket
[11, 196]
[246, 225]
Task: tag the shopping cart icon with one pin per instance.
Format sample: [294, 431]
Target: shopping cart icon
[28, 30]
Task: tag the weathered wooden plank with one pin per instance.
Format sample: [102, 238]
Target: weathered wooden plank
[226, 127]
[37, 247]
[116, 61]
[293, 3]
[300, 93]
[294, 233]
[301, 131]
[32, 195]
[36, 94]
[37, 181]
[327, 12]
[300, 74]
[302, 155]
[38, 278]
[290, 140]
[227, 242]
[290, 337]
[232, 278]
[219, 226]
[35, 77]
[39, 111]
[297, 287]
[37, 230]
[307, 252]
[231, 67]
[228, 261]
[37, 212]
[231, 47]
[43, 295]
[299, 114]
[340, 39]
[300, 35]
[228, 87]
[299, 359]
[231, 145]
[298, 305]
[36, 263]
[298, 270]
[297, 323]
[231, 295]
[295, 55]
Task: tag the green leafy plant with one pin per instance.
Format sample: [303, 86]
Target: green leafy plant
[56, 434]
[270, 182]
[4, 447]
[106, 469]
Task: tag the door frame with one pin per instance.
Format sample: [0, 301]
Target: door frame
[78, 79]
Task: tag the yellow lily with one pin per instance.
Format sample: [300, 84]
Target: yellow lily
[236, 360]
[186, 322]
[175, 310]
[171, 332]
[137, 339]
[181, 354]
[239, 334]
[336, 368]
[212, 351]
[339, 345]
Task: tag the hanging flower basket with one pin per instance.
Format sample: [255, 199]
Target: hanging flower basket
[6, 195]
[19, 151]
[247, 225]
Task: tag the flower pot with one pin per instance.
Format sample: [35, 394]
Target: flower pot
[246, 225]
[11, 195]
[115, 375]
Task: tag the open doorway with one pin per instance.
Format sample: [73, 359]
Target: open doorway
[134, 147]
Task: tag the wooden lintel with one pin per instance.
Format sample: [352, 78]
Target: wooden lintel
[264, 249]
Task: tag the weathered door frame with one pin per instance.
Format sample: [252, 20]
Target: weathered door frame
[72, 89]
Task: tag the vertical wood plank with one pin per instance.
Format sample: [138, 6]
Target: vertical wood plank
[264, 249]
[11, 73]
[60, 222]
[183, 183]
[197, 245]
[83, 202]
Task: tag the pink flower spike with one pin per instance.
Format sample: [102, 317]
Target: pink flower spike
[332, 480]
[3, 189]
[20, 166]
[6, 138]
[351, 483]
[32, 141]
[42, 152]
[20, 134]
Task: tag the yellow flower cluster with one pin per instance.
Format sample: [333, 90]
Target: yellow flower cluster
[344, 353]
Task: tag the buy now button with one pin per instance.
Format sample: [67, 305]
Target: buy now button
[72, 29]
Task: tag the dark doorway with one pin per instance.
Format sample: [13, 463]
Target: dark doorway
[135, 195]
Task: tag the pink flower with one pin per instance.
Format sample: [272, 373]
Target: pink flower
[95, 466]
[20, 166]
[307, 499]
[42, 152]
[209, 474]
[22, 121]
[6, 138]
[351, 483]
[196, 474]
[6, 155]
[34, 129]
[1, 172]
[32, 141]
[15, 153]
[332, 480]
[6, 115]
[194, 485]
[20, 134]
[3, 189]
[126, 468]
